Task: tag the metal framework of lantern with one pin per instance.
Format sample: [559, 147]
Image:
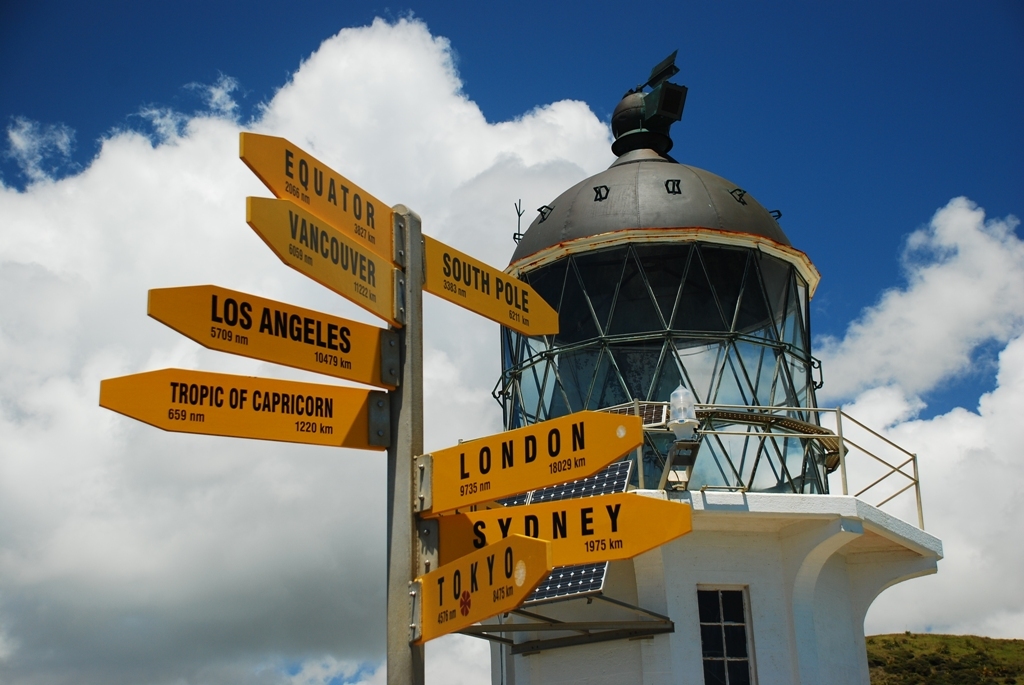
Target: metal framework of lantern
[636, 320]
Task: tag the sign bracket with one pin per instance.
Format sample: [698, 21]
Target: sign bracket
[398, 240]
[390, 357]
[429, 535]
[379, 419]
[424, 483]
[415, 610]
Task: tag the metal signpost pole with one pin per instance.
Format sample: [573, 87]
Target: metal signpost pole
[404, 660]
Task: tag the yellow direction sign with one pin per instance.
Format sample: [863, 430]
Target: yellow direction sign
[314, 248]
[584, 530]
[235, 322]
[548, 453]
[488, 582]
[249, 407]
[469, 283]
[293, 174]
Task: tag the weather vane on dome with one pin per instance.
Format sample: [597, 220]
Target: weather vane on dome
[665, 70]
[518, 235]
[643, 119]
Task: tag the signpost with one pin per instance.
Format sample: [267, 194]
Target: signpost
[329, 229]
[469, 283]
[581, 531]
[293, 174]
[536, 456]
[235, 322]
[249, 407]
[321, 252]
[477, 586]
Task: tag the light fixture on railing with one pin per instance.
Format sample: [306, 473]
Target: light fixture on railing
[683, 423]
[682, 416]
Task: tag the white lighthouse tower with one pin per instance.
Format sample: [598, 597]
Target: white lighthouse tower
[666, 276]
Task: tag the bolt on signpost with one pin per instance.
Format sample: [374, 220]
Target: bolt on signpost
[447, 569]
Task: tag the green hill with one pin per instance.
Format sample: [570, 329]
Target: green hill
[926, 659]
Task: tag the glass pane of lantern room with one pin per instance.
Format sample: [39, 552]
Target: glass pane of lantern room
[698, 310]
[634, 309]
[547, 391]
[753, 317]
[668, 379]
[637, 364]
[782, 393]
[713, 467]
[755, 366]
[575, 319]
[608, 388]
[732, 387]
[794, 330]
[529, 385]
[600, 273]
[576, 372]
[548, 282]
[800, 373]
[725, 267]
[701, 363]
[664, 266]
[775, 275]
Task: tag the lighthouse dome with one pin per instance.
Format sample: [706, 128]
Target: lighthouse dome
[645, 190]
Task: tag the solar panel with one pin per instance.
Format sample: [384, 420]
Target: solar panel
[585, 579]
[515, 500]
[612, 479]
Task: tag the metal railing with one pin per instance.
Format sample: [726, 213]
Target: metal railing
[891, 469]
[882, 468]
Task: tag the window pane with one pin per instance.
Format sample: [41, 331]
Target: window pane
[707, 606]
[600, 273]
[637, 363]
[732, 606]
[714, 672]
[739, 673]
[725, 268]
[735, 641]
[664, 266]
[711, 641]
[635, 310]
[698, 310]
[575, 322]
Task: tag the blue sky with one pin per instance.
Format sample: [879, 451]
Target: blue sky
[132, 555]
[856, 120]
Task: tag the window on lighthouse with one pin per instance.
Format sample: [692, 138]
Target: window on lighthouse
[724, 637]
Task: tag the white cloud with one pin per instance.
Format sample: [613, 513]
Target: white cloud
[965, 276]
[38, 150]
[971, 473]
[965, 289]
[218, 96]
[132, 555]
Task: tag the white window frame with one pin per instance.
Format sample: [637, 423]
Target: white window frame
[747, 625]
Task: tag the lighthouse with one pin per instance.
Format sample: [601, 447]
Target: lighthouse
[681, 300]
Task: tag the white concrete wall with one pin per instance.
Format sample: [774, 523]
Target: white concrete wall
[811, 566]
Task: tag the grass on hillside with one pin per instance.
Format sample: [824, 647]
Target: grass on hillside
[927, 659]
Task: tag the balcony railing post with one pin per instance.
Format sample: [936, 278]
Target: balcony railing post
[917, 489]
[842, 448]
[639, 450]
